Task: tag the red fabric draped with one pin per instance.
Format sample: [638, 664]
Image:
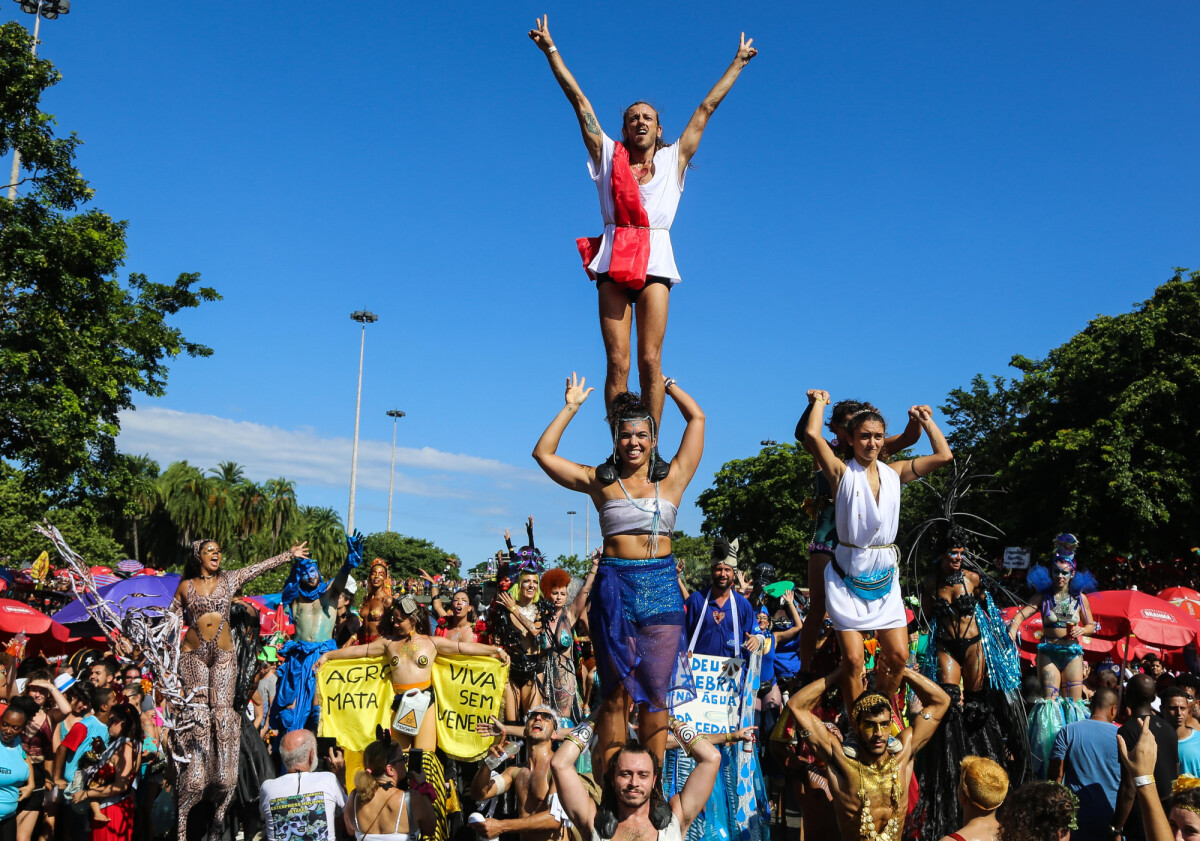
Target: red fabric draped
[631, 237]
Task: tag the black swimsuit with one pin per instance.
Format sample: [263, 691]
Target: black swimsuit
[949, 613]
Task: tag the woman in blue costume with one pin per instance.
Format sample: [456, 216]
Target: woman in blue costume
[636, 616]
[1066, 617]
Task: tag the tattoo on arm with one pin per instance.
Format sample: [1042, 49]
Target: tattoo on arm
[589, 122]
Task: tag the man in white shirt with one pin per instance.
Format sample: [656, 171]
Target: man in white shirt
[290, 804]
[646, 297]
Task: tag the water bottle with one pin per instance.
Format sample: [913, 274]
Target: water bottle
[511, 749]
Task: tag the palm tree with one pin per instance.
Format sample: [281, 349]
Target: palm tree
[281, 507]
[184, 491]
[143, 493]
[253, 512]
[326, 536]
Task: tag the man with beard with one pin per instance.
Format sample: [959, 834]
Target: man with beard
[640, 181]
[870, 792]
[312, 603]
[540, 816]
[721, 621]
[631, 803]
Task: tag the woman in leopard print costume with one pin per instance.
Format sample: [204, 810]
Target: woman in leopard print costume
[208, 664]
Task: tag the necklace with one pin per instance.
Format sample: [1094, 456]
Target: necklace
[955, 577]
[883, 782]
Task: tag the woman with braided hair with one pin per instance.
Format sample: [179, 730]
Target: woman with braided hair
[209, 748]
[636, 617]
[376, 604]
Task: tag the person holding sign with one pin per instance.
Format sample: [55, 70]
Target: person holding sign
[721, 621]
[862, 581]
[636, 618]
[410, 652]
[870, 789]
[632, 805]
[540, 815]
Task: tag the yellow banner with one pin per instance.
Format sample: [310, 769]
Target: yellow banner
[355, 696]
[468, 690]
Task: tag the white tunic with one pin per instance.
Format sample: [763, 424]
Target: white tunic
[660, 198]
[863, 522]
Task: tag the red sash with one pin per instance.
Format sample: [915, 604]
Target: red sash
[631, 237]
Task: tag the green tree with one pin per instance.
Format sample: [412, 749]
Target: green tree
[404, 554]
[1099, 437]
[82, 523]
[696, 555]
[760, 501]
[75, 342]
[326, 536]
[281, 507]
[576, 566]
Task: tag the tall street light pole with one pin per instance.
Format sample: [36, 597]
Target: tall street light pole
[572, 515]
[364, 318]
[395, 415]
[48, 9]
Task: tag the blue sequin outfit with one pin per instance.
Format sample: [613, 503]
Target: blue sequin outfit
[637, 628]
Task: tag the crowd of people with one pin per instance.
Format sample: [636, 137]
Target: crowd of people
[621, 705]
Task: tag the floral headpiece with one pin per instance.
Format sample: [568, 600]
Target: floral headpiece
[529, 559]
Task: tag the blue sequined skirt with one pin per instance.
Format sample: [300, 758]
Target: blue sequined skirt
[637, 627]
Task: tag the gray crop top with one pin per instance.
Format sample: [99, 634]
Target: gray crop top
[624, 516]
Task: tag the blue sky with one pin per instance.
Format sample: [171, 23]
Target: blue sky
[894, 197]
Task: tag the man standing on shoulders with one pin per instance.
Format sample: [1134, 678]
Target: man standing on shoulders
[1175, 707]
[884, 776]
[303, 803]
[640, 181]
[540, 815]
[1085, 759]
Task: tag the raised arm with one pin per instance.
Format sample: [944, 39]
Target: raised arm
[239, 577]
[593, 137]
[446, 646]
[575, 477]
[691, 446]
[934, 703]
[918, 468]
[435, 597]
[579, 606]
[812, 729]
[910, 435]
[689, 141]
[802, 425]
[815, 443]
[580, 806]
[690, 800]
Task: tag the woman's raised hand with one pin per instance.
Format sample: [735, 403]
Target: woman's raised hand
[300, 550]
[745, 49]
[815, 394]
[920, 414]
[540, 35]
[576, 393]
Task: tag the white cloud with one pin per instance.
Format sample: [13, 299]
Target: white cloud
[304, 456]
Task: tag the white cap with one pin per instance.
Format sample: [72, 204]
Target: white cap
[64, 682]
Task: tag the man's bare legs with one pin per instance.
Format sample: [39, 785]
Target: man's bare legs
[651, 307]
[616, 321]
[612, 728]
[616, 326]
[810, 631]
[854, 666]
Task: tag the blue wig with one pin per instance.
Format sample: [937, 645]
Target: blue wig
[1039, 579]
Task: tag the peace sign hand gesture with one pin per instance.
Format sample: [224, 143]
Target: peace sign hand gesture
[745, 49]
[576, 393]
[541, 34]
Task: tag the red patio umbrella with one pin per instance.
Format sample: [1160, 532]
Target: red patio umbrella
[1184, 598]
[270, 619]
[1122, 613]
[17, 616]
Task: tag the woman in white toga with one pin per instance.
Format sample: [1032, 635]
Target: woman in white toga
[862, 584]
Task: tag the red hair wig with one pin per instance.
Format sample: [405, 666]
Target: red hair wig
[552, 579]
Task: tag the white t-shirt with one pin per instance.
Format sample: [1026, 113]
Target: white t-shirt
[660, 198]
[289, 806]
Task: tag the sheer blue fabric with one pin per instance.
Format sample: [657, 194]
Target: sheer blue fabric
[637, 627]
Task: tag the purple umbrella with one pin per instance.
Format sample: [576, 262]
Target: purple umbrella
[144, 591]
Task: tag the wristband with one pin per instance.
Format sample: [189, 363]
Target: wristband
[581, 735]
[685, 733]
[501, 783]
[553, 49]
[667, 383]
[1144, 780]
